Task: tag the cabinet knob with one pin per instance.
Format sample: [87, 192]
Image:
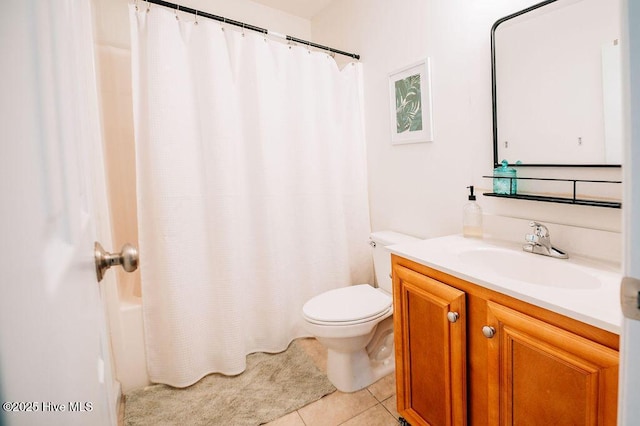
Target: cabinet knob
[453, 316]
[488, 331]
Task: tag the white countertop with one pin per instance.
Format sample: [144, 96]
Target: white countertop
[598, 306]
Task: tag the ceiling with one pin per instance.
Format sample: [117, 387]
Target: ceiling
[303, 8]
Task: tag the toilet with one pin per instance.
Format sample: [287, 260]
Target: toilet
[355, 324]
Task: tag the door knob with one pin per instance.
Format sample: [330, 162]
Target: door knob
[128, 258]
[453, 316]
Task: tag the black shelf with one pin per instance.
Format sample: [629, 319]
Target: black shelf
[562, 200]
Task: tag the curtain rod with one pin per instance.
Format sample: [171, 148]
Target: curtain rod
[250, 27]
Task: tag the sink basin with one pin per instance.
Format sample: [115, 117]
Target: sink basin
[529, 268]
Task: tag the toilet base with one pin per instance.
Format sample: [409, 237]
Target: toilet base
[355, 371]
[350, 370]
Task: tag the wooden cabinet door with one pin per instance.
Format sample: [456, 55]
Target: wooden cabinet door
[430, 350]
[540, 374]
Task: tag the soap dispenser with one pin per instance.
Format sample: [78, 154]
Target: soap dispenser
[472, 217]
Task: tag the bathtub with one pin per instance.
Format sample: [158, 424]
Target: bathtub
[127, 341]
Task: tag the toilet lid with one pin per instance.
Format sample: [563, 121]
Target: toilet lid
[347, 304]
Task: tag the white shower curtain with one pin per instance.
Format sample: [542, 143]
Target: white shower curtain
[251, 185]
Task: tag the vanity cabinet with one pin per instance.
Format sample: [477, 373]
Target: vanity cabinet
[431, 352]
[540, 374]
[469, 355]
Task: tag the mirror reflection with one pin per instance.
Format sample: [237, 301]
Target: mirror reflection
[558, 84]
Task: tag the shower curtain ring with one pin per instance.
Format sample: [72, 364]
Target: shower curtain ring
[177, 10]
[196, 21]
[243, 29]
[136, 5]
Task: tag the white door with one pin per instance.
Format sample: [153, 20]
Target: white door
[630, 348]
[55, 367]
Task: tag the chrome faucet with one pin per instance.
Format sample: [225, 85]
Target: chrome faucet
[540, 242]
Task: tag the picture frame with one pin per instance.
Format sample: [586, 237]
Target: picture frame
[410, 104]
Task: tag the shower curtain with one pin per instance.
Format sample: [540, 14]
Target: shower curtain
[251, 184]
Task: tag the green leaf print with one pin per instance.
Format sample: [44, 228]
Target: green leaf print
[408, 105]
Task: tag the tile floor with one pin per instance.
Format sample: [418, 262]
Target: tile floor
[373, 406]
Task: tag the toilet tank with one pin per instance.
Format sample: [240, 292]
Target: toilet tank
[382, 256]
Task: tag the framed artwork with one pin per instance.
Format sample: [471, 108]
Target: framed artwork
[410, 104]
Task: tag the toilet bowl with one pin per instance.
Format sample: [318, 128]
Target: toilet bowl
[355, 323]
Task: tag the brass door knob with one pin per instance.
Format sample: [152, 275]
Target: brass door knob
[128, 258]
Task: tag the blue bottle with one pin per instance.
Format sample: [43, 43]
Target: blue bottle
[504, 181]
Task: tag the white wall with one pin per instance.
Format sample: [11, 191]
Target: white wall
[420, 189]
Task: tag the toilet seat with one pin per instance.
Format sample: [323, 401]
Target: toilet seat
[347, 306]
[345, 323]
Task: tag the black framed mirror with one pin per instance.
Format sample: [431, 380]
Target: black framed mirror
[557, 85]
